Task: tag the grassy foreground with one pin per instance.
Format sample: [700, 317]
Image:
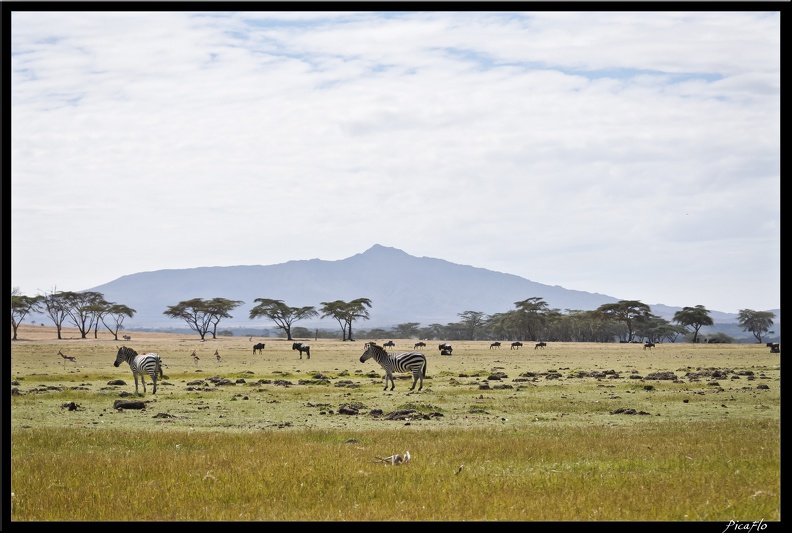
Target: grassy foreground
[574, 432]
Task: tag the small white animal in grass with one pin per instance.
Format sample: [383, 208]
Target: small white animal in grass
[395, 459]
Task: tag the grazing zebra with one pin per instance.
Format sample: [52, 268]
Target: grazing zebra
[258, 347]
[419, 345]
[516, 345]
[303, 348]
[414, 362]
[389, 344]
[494, 345]
[141, 364]
[540, 345]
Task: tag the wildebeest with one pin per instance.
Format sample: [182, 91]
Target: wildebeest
[445, 347]
[494, 345]
[258, 347]
[516, 345]
[389, 344]
[540, 345]
[445, 352]
[419, 345]
[302, 348]
[775, 347]
[649, 345]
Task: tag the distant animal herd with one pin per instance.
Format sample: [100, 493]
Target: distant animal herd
[413, 362]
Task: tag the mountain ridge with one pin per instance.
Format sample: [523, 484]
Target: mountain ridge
[402, 288]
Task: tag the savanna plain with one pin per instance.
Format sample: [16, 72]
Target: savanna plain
[567, 432]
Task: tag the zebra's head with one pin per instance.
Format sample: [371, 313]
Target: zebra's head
[123, 352]
[369, 353]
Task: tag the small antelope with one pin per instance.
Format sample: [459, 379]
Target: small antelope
[69, 357]
[195, 357]
[394, 459]
[217, 355]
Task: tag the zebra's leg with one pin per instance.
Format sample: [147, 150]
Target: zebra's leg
[393, 383]
[136, 383]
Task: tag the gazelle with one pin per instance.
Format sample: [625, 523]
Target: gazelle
[69, 357]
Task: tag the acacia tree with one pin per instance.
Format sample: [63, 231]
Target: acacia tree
[337, 310]
[473, 322]
[116, 313]
[218, 309]
[695, 317]
[280, 313]
[627, 312]
[757, 322]
[406, 330]
[21, 306]
[82, 309]
[532, 315]
[195, 312]
[57, 308]
[356, 309]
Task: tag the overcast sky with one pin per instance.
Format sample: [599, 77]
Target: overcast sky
[635, 155]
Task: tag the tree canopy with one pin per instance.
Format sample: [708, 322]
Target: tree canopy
[280, 313]
[757, 322]
[695, 317]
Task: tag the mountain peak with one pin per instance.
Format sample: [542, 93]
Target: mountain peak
[380, 249]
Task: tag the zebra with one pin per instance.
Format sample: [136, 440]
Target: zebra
[141, 364]
[414, 362]
[303, 348]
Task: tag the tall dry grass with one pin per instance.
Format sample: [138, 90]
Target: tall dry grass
[543, 449]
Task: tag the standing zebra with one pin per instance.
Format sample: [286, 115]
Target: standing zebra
[414, 362]
[141, 364]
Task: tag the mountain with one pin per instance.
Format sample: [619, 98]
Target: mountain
[402, 288]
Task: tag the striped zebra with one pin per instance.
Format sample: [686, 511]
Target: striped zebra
[141, 364]
[414, 362]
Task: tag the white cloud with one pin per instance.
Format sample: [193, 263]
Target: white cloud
[592, 150]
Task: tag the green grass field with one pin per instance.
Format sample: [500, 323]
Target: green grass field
[571, 432]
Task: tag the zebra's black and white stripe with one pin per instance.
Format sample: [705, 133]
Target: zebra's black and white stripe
[414, 362]
[141, 364]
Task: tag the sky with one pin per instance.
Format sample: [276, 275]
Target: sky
[632, 154]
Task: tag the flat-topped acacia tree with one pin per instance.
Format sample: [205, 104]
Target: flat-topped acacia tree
[202, 315]
[280, 313]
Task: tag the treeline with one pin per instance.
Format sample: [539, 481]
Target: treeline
[531, 320]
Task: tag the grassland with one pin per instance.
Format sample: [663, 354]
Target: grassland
[571, 432]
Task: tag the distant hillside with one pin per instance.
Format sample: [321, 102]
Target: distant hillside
[401, 287]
